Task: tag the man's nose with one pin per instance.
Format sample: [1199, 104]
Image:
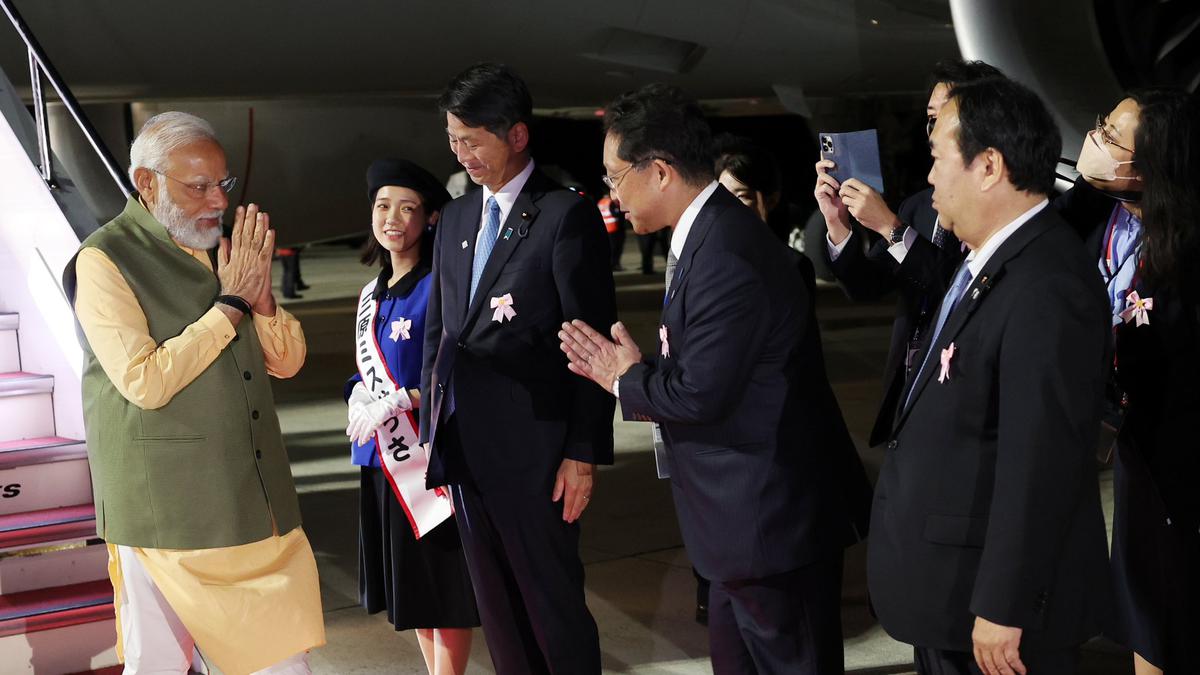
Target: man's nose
[217, 199]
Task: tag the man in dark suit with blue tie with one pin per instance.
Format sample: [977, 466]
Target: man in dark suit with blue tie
[508, 428]
[913, 254]
[756, 445]
[988, 548]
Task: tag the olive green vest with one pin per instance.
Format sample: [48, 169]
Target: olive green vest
[208, 469]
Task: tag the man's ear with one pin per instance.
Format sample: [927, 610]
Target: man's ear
[995, 171]
[663, 173]
[518, 137]
[144, 181]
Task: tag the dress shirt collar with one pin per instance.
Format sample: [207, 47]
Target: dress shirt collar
[684, 226]
[507, 195]
[978, 258]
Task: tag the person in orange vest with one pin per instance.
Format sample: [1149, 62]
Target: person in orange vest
[614, 224]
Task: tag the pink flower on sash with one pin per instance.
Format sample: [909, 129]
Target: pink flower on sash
[947, 354]
[400, 329]
[503, 307]
[1137, 309]
[662, 337]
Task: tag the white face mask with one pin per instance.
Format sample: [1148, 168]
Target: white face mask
[1097, 163]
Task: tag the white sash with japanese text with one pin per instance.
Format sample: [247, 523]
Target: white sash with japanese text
[400, 454]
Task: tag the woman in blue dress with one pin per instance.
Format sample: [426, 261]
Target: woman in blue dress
[422, 583]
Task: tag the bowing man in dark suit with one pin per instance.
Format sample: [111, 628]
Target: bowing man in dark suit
[912, 254]
[511, 431]
[752, 431]
[988, 547]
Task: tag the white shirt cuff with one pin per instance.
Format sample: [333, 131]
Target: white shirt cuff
[900, 251]
[835, 250]
[617, 387]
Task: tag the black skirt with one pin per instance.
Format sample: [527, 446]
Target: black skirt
[1155, 563]
[421, 583]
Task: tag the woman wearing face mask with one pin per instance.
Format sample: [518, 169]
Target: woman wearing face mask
[1141, 167]
[422, 583]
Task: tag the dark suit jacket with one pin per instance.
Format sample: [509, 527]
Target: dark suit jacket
[867, 272]
[988, 503]
[757, 445]
[1159, 370]
[519, 410]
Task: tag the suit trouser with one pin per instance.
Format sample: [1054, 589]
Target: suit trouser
[528, 578]
[153, 637]
[943, 662]
[785, 623]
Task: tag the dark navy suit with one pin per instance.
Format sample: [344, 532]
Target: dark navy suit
[763, 472]
[517, 413]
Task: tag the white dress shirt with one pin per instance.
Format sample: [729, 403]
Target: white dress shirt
[977, 258]
[679, 236]
[506, 196]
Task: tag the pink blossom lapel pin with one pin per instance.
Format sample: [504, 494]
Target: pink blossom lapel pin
[947, 354]
[503, 308]
[400, 329]
[662, 337]
[1137, 309]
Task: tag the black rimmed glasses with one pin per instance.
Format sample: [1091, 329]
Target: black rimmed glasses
[198, 190]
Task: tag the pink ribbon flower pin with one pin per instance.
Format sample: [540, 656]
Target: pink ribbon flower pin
[662, 337]
[1138, 308]
[947, 354]
[503, 307]
[400, 329]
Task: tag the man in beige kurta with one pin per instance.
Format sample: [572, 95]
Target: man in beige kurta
[192, 486]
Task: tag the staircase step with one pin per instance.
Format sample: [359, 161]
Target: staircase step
[82, 648]
[42, 450]
[43, 476]
[31, 569]
[26, 406]
[20, 383]
[33, 528]
[56, 607]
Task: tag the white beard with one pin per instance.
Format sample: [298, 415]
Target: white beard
[182, 229]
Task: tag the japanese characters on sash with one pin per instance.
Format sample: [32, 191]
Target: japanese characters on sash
[397, 441]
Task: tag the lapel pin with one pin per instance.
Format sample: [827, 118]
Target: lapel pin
[525, 215]
[464, 244]
[507, 234]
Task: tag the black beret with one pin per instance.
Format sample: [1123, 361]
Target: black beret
[403, 173]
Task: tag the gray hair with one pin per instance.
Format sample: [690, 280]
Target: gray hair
[163, 134]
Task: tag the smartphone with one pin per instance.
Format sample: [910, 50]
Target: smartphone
[856, 154]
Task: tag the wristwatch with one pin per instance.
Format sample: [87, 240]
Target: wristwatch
[897, 234]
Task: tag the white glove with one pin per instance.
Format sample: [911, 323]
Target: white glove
[368, 417]
[359, 397]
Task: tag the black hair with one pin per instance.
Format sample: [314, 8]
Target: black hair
[660, 121]
[953, 72]
[1009, 117]
[488, 95]
[748, 162]
[1167, 158]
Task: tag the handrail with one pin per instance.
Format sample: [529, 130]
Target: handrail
[39, 61]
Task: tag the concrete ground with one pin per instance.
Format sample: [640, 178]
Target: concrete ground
[639, 582]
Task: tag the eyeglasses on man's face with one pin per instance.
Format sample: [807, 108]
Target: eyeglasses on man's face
[201, 189]
[612, 181]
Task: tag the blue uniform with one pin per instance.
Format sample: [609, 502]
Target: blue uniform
[400, 331]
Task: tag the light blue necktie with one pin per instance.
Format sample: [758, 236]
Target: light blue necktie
[961, 281]
[487, 242]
